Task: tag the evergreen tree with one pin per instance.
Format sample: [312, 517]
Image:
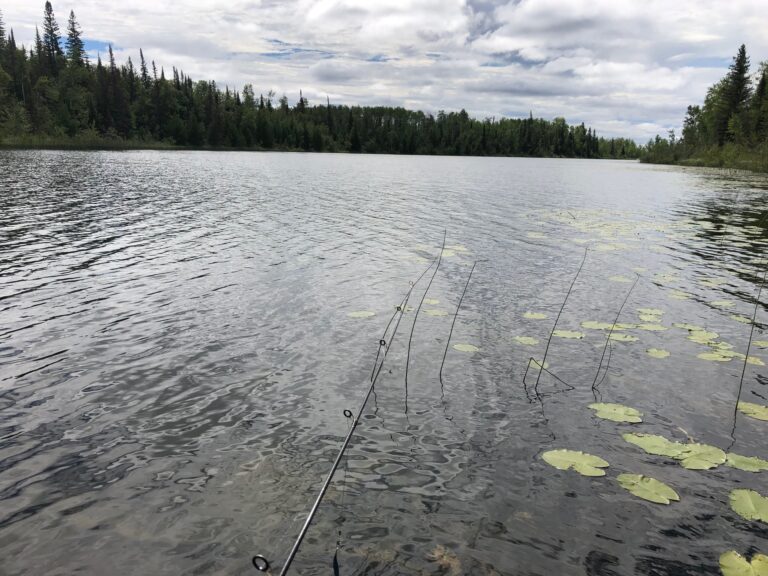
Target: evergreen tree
[3, 41]
[75, 46]
[51, 40]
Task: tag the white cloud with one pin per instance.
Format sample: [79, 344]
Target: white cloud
[622, 66]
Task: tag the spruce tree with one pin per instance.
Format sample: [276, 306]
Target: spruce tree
[75, 46]
[51, 40]
[3, 41]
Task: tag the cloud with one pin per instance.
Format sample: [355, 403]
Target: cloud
[625, 67]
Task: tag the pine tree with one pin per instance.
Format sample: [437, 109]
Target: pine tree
[75, 46]
[3, 41]
[144, 71]
[51, 40]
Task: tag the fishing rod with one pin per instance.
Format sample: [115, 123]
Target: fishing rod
[259, 561]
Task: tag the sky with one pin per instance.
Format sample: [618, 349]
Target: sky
[625, 67]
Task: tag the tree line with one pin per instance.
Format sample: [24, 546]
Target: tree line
[729, 129]
[52, 92]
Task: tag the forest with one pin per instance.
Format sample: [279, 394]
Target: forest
[52, 94]
[729, 130]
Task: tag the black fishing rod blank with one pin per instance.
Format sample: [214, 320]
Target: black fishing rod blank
[259, 561]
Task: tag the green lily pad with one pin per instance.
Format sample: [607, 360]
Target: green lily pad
[535, 316]
[616, 412]
[435, 312]
[648, 488]
[649, 318]
[761, 343]
[526, 340]
[585, 464]
[536, 364]
[746, 463]
[657, 353]
[757, 411]
[650, 311]
[742, 319]
[431, 301]
[702, 336]
[701, 456]
[465, 348]
[655, 444]
[690, 327]
[568, 334]
[679, 295]
[722, 304]
[734, 564]
[592, 325]
[749, 504]
[652, 327]
[715, 356]
[361, 314]
[623, 338]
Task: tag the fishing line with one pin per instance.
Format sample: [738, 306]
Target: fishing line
[610, 332]
[416, 317]
[455, 315]
[259, 561]
[549, 340]
[746, 358]
[448, 343]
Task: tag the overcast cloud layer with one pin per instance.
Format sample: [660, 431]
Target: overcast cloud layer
[626, 67]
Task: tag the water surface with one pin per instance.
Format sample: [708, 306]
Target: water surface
[176, 353]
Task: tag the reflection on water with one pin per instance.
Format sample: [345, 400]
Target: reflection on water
[176, 351]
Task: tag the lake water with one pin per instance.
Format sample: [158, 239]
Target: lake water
[176, 351]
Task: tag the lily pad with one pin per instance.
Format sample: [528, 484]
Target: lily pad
[734, 564]
[690, 327]
[746, 463]
[536, 364]
[592, 325]
[715, 356]
[648, 488]
[749, 504]
[651, 327]
[657, 353]
[700, 456]
[649, 318]
[761, 343]
[435, 312]
[361, 314]
[568, 334]
[623, 337]
[535, 316]
[679, 295]
[585, 464]
[723, 304]
[655, 444]
[650, 311]
[431, 301]
[702, 336]
[526, 340]
[757, 411]
[617, 412]
[742, 319]
[465, 348]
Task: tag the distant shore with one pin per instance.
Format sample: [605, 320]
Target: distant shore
[730, 156]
